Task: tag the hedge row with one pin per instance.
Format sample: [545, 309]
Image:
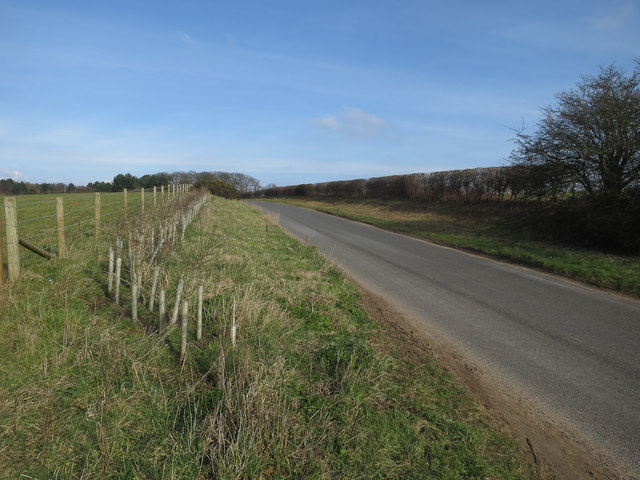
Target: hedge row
[469, 185]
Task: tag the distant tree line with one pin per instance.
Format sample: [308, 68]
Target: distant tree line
[8, 186]
[239, 182]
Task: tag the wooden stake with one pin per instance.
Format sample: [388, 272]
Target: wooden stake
[162, 324]
[98, 205]
[199, 326]
[183, 336]
[155, 202]
[13, 248]
[111, 266]
[176, 307]
[142, 198]
[154, 285]
[62, 246]
[118, 271]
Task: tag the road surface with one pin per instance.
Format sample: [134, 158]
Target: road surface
[573, 349]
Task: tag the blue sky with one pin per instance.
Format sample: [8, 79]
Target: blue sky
[288, 91]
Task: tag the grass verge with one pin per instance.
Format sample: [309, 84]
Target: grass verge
[497, 229]
[312, 389]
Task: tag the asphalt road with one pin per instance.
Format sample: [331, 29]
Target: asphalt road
[574, 349]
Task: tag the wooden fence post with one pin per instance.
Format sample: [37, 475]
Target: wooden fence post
[124, 192]
[162, 193]
[62, 246]
[142, 198]
[13, 248]
[98, 206]
[154, 197]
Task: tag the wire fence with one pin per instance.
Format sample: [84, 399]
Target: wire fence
[51, 222]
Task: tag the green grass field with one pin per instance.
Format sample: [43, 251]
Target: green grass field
[313, 388]
[494, 229]
[37, 218]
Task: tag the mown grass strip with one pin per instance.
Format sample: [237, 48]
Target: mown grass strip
[495, 230]
[313, 388]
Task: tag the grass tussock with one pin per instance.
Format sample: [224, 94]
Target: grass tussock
[311, 389]
[511, 231]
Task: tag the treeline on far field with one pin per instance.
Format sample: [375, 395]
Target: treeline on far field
[239, 181]
[230, 181]
[551, 211]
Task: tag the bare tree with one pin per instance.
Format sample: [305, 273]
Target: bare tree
[591, 138]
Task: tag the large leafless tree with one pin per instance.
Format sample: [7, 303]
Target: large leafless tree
[591, 137]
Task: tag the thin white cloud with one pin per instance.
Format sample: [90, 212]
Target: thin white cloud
[186, 38]
[330, 122]
[353, 122]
